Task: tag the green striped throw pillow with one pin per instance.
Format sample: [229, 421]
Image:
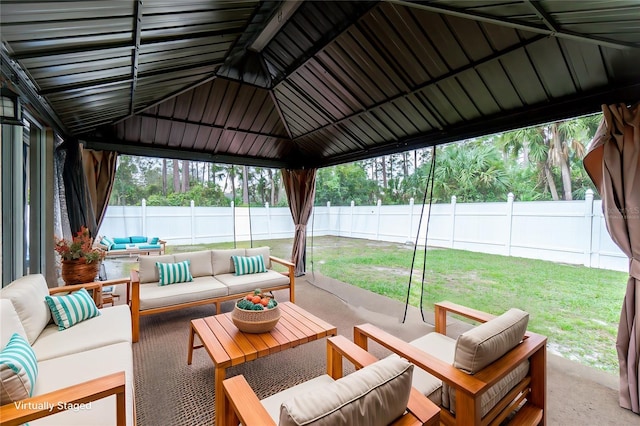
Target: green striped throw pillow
[248, 264]
[18, 370]
[72, 308]
[171, 273]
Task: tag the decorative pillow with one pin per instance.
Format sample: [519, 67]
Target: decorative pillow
[248, 264]
[171, 273]
[107, 242]
[484, 344]
[374, 395]
[72, 308]
[154, 240]
[18, 370]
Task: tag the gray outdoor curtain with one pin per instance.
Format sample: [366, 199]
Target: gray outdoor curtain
[613, 164]
[300, 185]
[99, 170]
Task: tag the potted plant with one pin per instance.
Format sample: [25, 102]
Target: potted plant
[80, 260]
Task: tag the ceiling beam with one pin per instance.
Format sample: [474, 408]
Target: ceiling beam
[135, 54]
[504, 22]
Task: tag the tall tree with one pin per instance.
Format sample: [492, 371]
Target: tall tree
[176, 177]
[245, 185]
[185, 176]
[164, 177]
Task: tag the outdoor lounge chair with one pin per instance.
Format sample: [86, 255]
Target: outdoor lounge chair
[379, 392]
[491, 373]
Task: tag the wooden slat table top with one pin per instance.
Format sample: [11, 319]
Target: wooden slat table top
[229, 346]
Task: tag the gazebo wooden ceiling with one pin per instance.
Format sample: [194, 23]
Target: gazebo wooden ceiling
[311, 84]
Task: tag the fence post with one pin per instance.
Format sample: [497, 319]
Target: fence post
[351, 214]
[379, 204]
[266, 206]
[453, 221]
[329, 229]
[233, 221]
[193, 221]
[510, 198]
[410, 233]
[144, 217]
[588, 224]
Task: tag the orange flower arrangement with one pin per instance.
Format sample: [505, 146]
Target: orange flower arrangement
[80, 247]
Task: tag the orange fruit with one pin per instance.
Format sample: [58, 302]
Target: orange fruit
[256, 299]
[264, 301]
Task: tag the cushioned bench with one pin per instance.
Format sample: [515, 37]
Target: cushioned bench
[78, 375]
[136, 244]
[175, 281]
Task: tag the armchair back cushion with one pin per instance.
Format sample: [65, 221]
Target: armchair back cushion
[221, 260]
[28, 294]
[374, 395]
[486, 343]
[148, 272]
[200, 262]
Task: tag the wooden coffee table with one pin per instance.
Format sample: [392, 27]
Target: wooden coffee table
[228, 346]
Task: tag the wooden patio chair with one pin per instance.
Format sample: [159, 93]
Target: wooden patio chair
[378, 391]
[491, 373]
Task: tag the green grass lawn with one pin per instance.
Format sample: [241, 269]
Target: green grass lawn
[578, 308]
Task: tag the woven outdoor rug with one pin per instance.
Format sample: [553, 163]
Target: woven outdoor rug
[171, 393]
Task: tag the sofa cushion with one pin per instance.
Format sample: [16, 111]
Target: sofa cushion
[200, 262]
[221, 260]
[28, 297]
[18, 370]
[113, 325]
[374, 395]
[119, 246]
[244, 265]
[70, 309]
[155, 296]
[138, 239]
[107, 242]
[154, 240]
[122, 240]
[9, 322]
[239, 284]
[171, 273]
[265, 252]
[148, 272]
[55, 374]
[484, 344]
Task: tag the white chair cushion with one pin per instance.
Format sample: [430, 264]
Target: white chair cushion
[112, 326]
[200, 262]
[484, 344]
[372, 396]
[264, 251]
[10, 322]
[239, 284]
[148, 272]
[73, 369]
[28, 297]
[154, 296]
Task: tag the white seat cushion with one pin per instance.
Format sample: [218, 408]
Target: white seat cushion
[73, 369]
[272, 404]
[239, 284]
[154, 296]
[112, 326]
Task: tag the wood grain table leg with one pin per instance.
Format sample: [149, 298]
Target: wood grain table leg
[220, 373]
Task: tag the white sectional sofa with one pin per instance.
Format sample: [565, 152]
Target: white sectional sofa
[84, 371]
[214, 280]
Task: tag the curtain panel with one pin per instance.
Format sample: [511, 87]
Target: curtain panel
[613, 164]
[300, 186]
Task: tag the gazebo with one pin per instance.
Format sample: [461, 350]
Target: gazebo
[295, 85]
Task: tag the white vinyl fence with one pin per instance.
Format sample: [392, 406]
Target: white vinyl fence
[571, 232]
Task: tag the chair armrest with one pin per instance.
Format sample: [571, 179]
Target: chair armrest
[242, 404]
[441, 309]
[17, 413]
